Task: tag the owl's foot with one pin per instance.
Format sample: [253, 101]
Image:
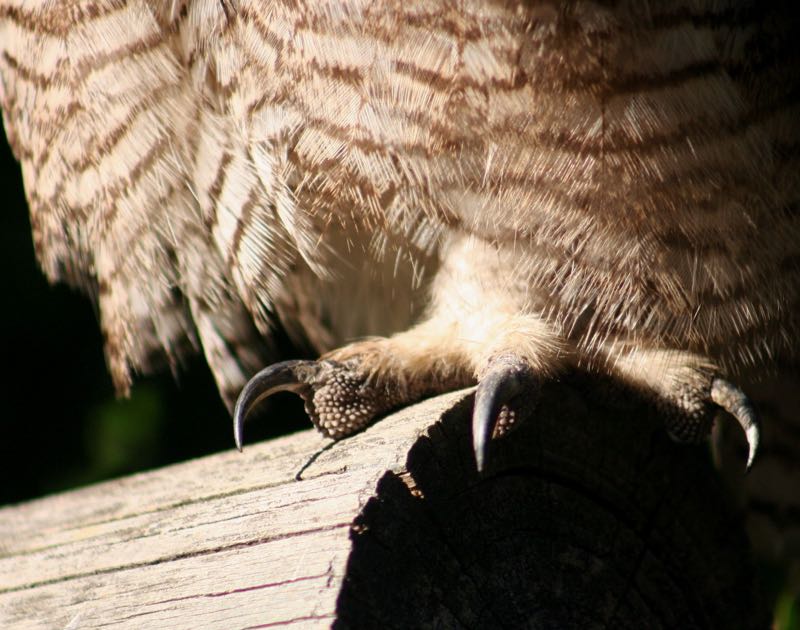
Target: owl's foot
[348, 389]
[339, 398]
[693, 420]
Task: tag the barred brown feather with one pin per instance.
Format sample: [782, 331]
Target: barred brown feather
[619, 178]
[642, 157]
[614, 184]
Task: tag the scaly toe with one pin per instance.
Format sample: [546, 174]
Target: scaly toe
[340, 400]
[693, 418]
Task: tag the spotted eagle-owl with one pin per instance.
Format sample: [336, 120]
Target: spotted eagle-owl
[474, 190]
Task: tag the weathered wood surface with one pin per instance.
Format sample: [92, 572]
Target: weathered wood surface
[587, 517]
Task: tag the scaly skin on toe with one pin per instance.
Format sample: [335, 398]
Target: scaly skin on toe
[695, 426]
[338, 398]
[349, 388]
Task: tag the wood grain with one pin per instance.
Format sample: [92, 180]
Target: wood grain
[584, 517]
[228, 539]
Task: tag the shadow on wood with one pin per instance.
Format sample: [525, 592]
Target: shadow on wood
[584, 519]
[587, 516]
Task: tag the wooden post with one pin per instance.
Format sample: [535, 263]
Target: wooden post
[588, 516]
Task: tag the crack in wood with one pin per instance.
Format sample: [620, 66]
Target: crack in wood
[176, 557]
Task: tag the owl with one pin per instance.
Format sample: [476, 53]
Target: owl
[433, 193]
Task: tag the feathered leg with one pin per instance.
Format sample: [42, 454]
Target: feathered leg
[478, 330]
[483, 328]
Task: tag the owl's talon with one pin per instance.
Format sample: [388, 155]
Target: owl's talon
[508, 380]
[692, 423]
[341, 397]
[730, 398]
[292, 376]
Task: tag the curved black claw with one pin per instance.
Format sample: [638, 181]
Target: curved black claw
[733, 400]
[292, 376]
[510, 378]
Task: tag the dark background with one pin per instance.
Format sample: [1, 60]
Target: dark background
[60, 423]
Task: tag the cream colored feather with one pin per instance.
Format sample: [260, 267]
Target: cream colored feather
[612, 184]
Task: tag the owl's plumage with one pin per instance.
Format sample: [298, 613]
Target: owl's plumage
[612, 184]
